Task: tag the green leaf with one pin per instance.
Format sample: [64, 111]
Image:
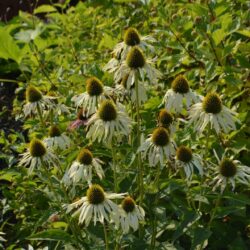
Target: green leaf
[8, 175]
[107, 42]
[218, 36]
[45, 8]
[59, 224]
[190, 217]
[8, 47]
[200, 235]
[51, 234]
[244, 32]
[28, 35]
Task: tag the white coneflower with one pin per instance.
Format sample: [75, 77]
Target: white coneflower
[108, 122]
[131, 39]
[97, 205]
[57, 139]
[129, 94]
[158, 147]
[94, 95]
[130, 215]
[36, 102]
[135, 65]
[82, 168]
[166, 119]
[179, 95]
[211, 110]
[230, 171]
[188, 161]
[38, 155]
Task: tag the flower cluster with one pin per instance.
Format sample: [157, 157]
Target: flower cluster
[110, 116]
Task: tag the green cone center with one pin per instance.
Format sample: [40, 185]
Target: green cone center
[160, 137]
[107, 111]
[135, 58]
[212, 103]
[37, 148]
[227, 168]
[33, 94]
[131, 37]
[184, 154]
[180, 85]
[54, 131]
[85, 157]
[94, 86]
[165, 118]
[128, 204]
[95, 194]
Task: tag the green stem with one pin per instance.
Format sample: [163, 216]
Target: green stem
[106, 237]
[213, 48]
[189, 198]
[154, 231]
[41, 116]
[139, 161]
[217, 203]
[154, 223]
[114, 168]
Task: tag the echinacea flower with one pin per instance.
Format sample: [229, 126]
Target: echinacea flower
[130, 216]
[96, 205]
[109, 121]
[158, 147]
[36, 102]
[166, 119]
[211, 110]
[38, 155]
[230, 171]
[94, 95]
[188, 161]
[131, 39]
[135, 66]
[179, 95]
[57, 139]
[82, 168]
[82, 120]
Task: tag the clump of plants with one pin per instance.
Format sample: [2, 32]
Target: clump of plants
[129, 144]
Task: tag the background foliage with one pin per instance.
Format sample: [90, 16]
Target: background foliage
[206, 40]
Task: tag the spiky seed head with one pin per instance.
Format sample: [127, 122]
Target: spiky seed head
[85, 157]
[212, 103]
[54, 131]
[107, 111]
[160, 137]
[165, 118]
[94, 86]
[128, 204]
[180, 85]
[184, 154]
[227, 168]
[135, 58]
[33, 94]
[95, 194]
[131, 37]
[37, 148]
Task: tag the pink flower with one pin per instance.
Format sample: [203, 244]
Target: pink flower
[81, 120]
